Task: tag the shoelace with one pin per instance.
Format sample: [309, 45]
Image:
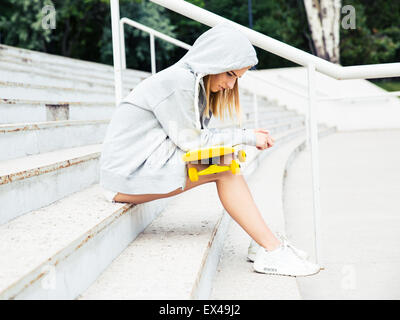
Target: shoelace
[286, 243]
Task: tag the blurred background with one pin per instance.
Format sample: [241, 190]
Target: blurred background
[83, 30]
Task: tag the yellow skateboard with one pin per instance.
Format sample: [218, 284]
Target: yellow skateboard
[211, 152]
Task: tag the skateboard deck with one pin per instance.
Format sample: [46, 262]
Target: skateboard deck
[205, 153]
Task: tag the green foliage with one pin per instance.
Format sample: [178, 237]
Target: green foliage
[21, 24]
[376, 38]
[137, 42]
[83, 29]
[187, 30]
[389, 85]
[283, 20]
[79, 28]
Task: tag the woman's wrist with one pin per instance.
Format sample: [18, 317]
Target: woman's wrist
[249, 137]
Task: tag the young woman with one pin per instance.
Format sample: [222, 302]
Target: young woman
[167, 115]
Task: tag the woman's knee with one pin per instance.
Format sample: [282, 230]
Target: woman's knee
[228, 175]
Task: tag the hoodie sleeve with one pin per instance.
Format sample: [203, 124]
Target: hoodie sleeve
[177, 116]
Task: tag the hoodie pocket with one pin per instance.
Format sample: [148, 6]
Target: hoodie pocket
[161, 155]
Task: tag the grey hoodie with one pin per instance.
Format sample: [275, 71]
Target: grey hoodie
[161, 118]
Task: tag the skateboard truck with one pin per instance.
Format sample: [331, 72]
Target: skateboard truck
[211, 152]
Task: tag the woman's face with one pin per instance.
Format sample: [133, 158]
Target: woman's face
[225, 80]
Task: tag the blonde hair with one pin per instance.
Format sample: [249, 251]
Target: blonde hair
[221, 101]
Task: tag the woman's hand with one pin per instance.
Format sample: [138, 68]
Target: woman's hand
[263, 139]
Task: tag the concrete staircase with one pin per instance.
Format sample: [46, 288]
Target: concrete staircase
[59, 238]
[41, 87]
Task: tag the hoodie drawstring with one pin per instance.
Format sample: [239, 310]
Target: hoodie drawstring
[196, 99]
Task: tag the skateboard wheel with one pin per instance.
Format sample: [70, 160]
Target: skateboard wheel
[242, 156]
[235, 168]
[193, 176]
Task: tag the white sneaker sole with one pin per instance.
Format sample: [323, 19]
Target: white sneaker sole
[251, 257]
[287, 275]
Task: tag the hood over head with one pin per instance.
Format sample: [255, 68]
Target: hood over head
[220, 49]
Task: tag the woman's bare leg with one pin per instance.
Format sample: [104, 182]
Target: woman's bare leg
[141, 198]
[235, 196]
[237, 200]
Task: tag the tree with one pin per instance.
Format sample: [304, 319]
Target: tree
[137, 42]
[21, 24]
[323, 19]
[187, 30]
[79, 28]
[283, 20]
[83, 29]
[376, 38]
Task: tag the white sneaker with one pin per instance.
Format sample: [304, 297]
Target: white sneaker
[252, 250]
[283, 261]
[254, 246]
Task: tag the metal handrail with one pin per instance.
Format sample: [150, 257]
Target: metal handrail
[284, 50]
[153, 33]
[322, 98]
[277, 85]
[179, 43]
[378, 95]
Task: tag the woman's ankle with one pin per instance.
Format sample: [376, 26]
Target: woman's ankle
[272, 245]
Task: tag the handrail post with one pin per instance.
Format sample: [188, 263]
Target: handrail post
[255, 109]
[153, 54]
[123, 53]
[116, 50]
[312, 140]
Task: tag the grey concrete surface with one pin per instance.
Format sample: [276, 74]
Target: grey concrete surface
[360, 215]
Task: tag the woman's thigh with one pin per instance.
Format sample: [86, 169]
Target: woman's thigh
[141, 198]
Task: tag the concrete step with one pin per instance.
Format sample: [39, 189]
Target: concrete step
[56, 103]
[261, 101]
[275, 120]
[282, 125]
[37, 56]
[177, 254]
[166, 260]
[63, 64]
[267, 114]
[248, 120]
[26, 139]
[56, 252]
[129, 79]
[17, 90]
[32, 138]
[71, 242]
[38, 76]
[271, 114]
[248, 109]
[249, 106]
[233, 263]
[27, 178]
[26, 110]
[35, 181]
